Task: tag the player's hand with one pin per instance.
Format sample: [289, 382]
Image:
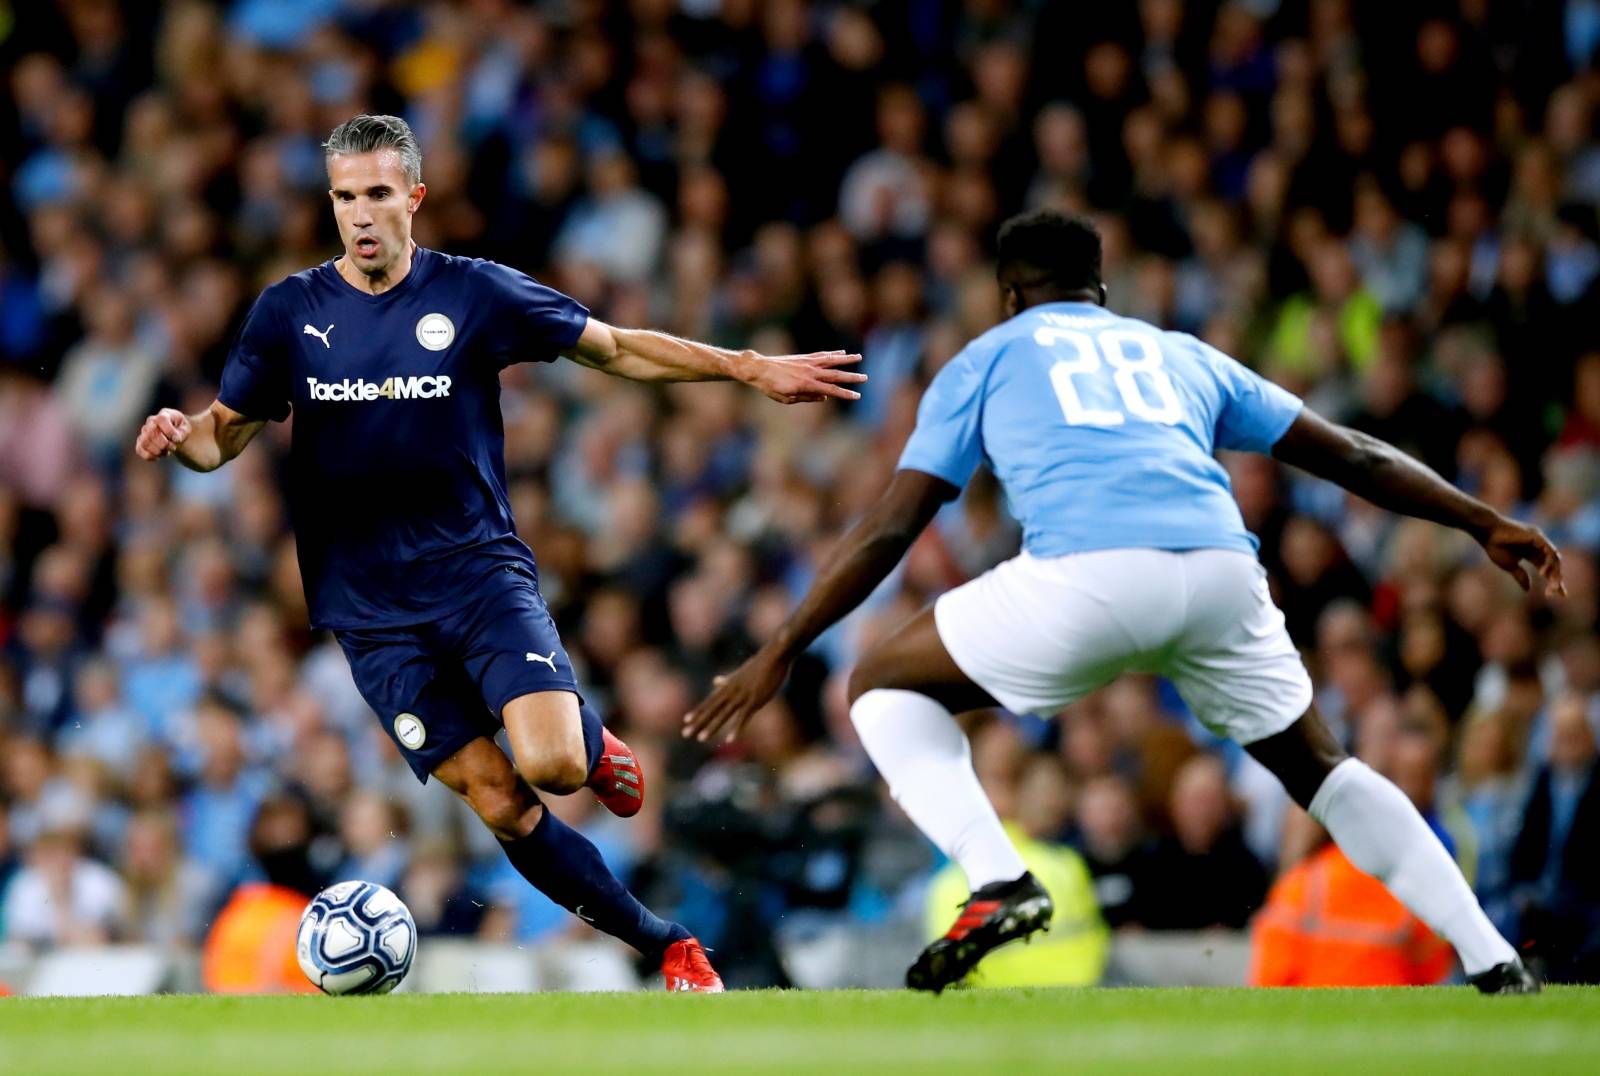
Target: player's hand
[805, 378]
[162, 433]
[1510, 543]
[735, 698]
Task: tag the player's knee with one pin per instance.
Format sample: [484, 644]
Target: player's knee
[558, 770]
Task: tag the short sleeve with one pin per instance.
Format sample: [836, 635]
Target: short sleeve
[532, 323]
[255, 379]
[948, 441]
[1255, 413]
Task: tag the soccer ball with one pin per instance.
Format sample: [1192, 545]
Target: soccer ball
[356, 938]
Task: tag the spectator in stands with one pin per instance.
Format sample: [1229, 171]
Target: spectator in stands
[62, 898]
[440, 898]
[1203, 875]
[217, 811]
[1486, 783]
[374, 833]
[40, 798]
[170, 898]
[107, 381]
[102, 728]
[8, 855]
[1555, 877]
[1112, 840]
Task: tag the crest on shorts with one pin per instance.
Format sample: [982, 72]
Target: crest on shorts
[410, 731]
[435, 332]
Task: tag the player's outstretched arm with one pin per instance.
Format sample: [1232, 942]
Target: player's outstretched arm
[1386, 476]
[200, 442]
[643, 355]
[868, 552]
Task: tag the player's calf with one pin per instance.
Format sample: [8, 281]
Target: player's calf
[481, 774]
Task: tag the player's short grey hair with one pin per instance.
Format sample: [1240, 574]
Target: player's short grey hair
[366, 134]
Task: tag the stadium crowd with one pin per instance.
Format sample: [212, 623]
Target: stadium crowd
[1390, 209]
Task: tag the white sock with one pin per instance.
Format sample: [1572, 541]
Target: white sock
[924, 756]
[1382, 833]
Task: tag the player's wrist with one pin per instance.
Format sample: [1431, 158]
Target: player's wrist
[1481, 521]
[784, 647]
[745, 366]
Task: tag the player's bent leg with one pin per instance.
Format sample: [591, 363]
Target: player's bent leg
[1238, 670]
[1382, 833]
[481, 774]
[513, 652]
[546, 733]
[563, 865]
[561, 746]
[902, 693]
[1301, 756]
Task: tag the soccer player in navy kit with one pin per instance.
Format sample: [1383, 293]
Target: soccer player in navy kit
[389, 358]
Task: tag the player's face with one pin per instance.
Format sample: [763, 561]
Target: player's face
[373, 203]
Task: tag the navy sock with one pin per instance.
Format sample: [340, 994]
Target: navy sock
[564, 866]
[593, 745]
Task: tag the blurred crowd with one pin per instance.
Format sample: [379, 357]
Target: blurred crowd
[1390, 209]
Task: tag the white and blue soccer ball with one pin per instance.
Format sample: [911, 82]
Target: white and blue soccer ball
[356, 938]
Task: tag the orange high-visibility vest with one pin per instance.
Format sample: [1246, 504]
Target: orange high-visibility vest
[250, 949]
[1325, 923]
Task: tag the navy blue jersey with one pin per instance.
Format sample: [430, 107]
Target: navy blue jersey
[396, 484]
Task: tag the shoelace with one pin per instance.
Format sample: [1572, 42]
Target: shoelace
[695, 958]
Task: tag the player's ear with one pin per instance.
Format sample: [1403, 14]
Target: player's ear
[1010, 300]
[418, 193]
[1102, 290]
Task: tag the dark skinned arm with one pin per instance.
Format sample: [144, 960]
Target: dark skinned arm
[1380, 473]
[865, 556]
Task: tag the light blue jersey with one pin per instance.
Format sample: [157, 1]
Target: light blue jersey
[1101, 429]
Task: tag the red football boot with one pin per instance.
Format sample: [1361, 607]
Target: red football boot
[617, 780]
[685, 968]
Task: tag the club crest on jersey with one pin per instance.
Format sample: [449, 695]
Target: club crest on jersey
[410, 731]
[435, 332]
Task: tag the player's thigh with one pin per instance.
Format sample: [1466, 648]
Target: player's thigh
[546, 735]
[508, 644]
[424, 702]
[1234, 663]
[1037, 634]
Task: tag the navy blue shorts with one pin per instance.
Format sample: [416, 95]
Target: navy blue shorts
[436, 687]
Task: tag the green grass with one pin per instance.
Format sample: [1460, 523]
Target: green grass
[1012, 1032]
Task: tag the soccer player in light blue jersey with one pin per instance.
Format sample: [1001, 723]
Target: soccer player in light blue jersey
[1102, 430]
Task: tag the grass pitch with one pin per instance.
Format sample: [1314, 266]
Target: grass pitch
[1016, 1032]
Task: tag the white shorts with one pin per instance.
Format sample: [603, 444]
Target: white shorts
[1039, 633]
